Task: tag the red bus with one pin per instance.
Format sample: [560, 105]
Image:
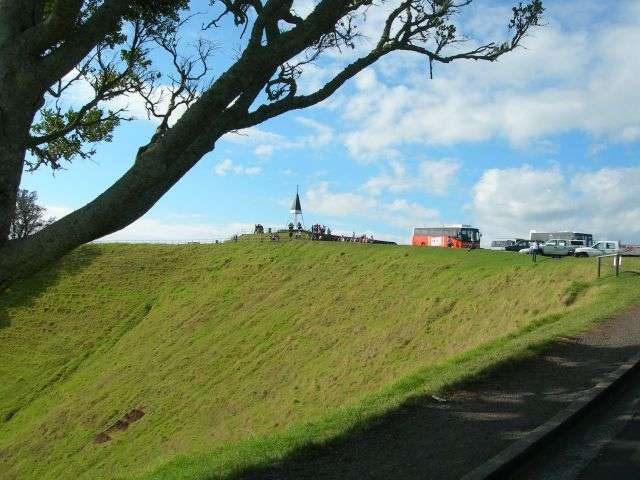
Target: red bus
[453, 236]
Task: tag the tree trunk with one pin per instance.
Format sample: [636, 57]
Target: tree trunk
[155, 170]
[11, 164]
[15, 121]
[151, 176]
[19, 100]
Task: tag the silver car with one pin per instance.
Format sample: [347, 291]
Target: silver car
[558, 248]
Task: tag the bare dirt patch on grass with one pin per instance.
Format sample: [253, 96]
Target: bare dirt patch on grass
[119, 426]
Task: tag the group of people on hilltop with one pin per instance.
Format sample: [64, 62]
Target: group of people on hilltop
[319, 231]
[297, 227]
[357, 239]
[297, 232]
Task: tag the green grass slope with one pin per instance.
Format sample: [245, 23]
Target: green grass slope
[238, 353]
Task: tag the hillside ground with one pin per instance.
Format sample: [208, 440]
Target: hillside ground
[447, 436]
[196, 361]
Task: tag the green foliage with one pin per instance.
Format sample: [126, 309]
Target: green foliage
[148, 11]
[157, 16]
[28, 217]
[75, 133]
[89, 127]
[239, 353]
[154, 11]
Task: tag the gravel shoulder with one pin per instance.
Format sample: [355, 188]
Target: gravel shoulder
[428, 438]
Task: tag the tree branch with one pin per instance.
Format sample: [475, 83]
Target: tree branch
[185, 81]
[89, 120]
[266, 111]
[79, 44]
[416, 23]
[62, 20]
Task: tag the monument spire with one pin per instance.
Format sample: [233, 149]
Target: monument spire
[296, 210]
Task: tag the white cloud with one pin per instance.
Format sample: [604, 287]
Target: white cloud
[264, 150]
[172, 227]
[254, 170]
[399, 212]
[167, 229]
[57, 211]
[511, 202]
[223, 167]
[321, 134]
[430, 176]
[366, 80]
[267, 143]
[303, 8]
[227, 166]
[566, 79]
[80, 92]
[319, 199]
[253, 135]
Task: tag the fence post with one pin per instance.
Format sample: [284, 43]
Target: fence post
[599, 258]
[617, 260]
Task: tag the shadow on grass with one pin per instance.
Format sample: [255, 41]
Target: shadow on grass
[444, 438]
[23, 292]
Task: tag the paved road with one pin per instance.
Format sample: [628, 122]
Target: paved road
[605, 444]
[620, 459]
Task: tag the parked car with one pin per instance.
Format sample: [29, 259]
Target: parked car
[501, 244]
[575, 244]
[558, 248]
[603, 247]
[518, 246]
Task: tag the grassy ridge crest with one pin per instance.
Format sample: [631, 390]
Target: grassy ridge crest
[239, 354]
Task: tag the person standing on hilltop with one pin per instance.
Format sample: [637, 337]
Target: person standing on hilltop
[535, 249]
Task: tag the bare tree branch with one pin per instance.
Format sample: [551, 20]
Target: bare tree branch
[418, 25]
[271, 110]
[184, 87]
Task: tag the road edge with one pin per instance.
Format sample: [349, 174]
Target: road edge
[532, 441]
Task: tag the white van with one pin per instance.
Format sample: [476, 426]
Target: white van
[558, 248]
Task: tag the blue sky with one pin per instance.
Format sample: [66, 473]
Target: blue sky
[548, 137]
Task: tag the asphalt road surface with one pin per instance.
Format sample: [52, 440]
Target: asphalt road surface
[604, 444]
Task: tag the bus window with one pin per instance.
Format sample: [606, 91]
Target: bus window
[472, 235]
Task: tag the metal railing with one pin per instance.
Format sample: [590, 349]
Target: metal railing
[163, 241]
[617, 262]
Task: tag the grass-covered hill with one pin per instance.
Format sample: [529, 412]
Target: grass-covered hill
[192, 361]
